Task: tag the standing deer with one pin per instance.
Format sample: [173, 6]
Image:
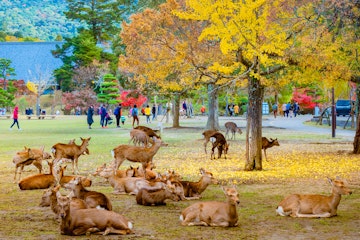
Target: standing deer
[220, 143]
[233, 128]
[70, 151]
[136, 153]
[194, 189]
[87, 221]
[207, 134]
[29, 156]
[313, 205]
[213, 213]
[139, 137]
[268, 144]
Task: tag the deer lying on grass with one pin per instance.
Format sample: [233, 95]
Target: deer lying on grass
[268, 144]
[92, 199]
[49, 198]
[87, 221]
[148, 173]
[233, 128]
[135, 153]
[130, 172]
[38, 181]
[70, 151]
[139, 137]
[194, 189]
[312, 205]
[207, 134]
[86, 182]
[213, 213]
[218, 141]
[130, 185]
[154, 197]
[150, 132]
[29, 156]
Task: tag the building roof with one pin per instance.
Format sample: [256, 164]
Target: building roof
[27, 57]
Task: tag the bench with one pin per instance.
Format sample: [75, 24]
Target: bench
[5, 116]
[40, 117]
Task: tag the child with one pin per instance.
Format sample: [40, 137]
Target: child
[123, 118]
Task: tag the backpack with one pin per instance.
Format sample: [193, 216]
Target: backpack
[117, 111]
[134, 112]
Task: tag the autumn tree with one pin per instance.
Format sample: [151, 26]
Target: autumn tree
[6, 71]
[163, 54]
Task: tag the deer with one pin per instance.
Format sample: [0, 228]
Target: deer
[130, 172]
[155, 197]
[136, 153]
[314, 205]
[268, 144]
[49, 198]
[139, 137]
[70, 151]
[233, 128]
[93, 199]
[213, 213]
[150, 132]
[29, 156]
[38, 181]
[62, 179]
[194, 189]
[207, 134]
[218, 141]
[130, 185]
[86, 221]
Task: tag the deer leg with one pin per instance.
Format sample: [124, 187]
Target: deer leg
[265, 154]
[38, 164]
[16, 167]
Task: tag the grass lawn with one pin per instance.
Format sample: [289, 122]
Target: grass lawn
[299, 165]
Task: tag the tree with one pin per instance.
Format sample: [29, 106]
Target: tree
[7, 96]
[252, 33]
[78, 98]
[5, 71]
[109, 90]
[101, 16]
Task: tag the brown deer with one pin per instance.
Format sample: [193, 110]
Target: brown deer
[49, 198]
[38, 181]
[70, 151]
[150, 132]
[213, 213]
[87, 221]
[130, 172]
[268, 144]
[130, 185]
[233, 128]
[207, 134]
[194, 189]
[155, 197]
[29, 156]
[139, 137]
[218, 141]
[92, 199]
[86, 182]
[313, 205]
[135, 153]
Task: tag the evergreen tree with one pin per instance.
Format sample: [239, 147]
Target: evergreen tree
[109, 90]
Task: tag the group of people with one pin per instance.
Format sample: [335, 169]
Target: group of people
[288, 109]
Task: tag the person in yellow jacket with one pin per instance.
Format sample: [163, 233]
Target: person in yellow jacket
[147, 113]
[236, 110]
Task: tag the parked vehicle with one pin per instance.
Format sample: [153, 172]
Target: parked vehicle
[343, 107]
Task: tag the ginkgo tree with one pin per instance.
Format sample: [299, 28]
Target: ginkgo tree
[251, 32]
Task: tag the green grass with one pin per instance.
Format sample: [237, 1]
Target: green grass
[298, 165]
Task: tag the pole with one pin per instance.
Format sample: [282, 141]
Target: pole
[333, 115]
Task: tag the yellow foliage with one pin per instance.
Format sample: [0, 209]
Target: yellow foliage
[32, 87]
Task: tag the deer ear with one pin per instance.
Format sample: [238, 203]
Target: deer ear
[330, 180]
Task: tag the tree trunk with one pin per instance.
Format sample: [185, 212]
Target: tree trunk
[213, 118]
[176, 112]
[254, 123]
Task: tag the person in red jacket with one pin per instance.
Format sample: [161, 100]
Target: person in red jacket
[15, 117]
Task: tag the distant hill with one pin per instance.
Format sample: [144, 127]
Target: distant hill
[42, 19]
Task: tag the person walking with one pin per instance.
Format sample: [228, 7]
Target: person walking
[15, 118]
[283, 109]
[147, 113]
[288, 107]
[90, 114]
[275, 109]
[236, 110]
[103, 114]
[135, 115]
[153, 111]
[117, 113]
